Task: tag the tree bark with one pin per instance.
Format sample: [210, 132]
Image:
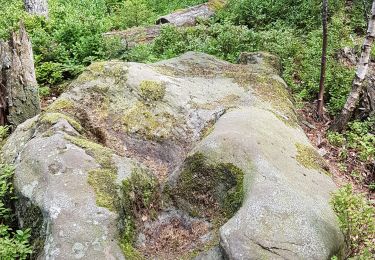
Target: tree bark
[324, 60]
[342, 120]
[37, 7]
[19, 99]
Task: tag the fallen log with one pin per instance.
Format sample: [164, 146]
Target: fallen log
[37, 7]
[185, 17]
[136, 35]
[189, 16]
[19, 99]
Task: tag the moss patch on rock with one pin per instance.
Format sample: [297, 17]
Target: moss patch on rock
[102, 155]
[151, 90]
[60, 104]
[140, 199]
[275, 92]
[32, 217]
[309, 158]
[217, 4]
[140, 120]
[53, 118]
[210, 190]
[104, 183]
[103, 180]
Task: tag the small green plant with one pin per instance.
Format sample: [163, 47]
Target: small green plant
[371, 186]
[13, 245]
[44, 91]
[4, 132]
[335, 139]
[356, 217]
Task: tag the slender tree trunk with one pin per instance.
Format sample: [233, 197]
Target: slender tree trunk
[324, 60]
[342, 120]
[37, 7]
[19, 99]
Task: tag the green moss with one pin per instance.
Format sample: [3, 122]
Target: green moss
[191, 70]
[130, 252]
[151, 90]
[140, 197]
[104, 183]
[60, 105]
[309, 158]
[210, 190]
[32, 218]
[97, 67]
[102, 155]
[141, 192]
[103, 180]
[141, 121]
[227, 101]
[53, 118]
[217, 4]
[275, 92]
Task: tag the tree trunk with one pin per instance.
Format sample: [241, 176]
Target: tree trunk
[37, 7]
[342, 120]
[324, 60]
[19, 98]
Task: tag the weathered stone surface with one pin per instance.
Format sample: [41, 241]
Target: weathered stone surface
[236, 119]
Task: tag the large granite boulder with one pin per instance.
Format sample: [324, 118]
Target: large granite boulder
[192, 158]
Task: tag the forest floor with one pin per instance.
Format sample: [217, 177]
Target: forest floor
[316, 131]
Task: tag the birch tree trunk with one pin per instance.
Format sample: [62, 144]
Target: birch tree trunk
[37, 7]
[19, 99]
[342, 120]
[324, 60]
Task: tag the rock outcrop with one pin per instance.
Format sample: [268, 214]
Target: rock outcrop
[191, 157]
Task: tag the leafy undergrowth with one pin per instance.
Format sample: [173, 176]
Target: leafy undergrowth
[351, 155]
[351, 161]
[357, 221]
[13, 244]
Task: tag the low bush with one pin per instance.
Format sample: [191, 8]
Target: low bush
[356, 217]
[13, 245]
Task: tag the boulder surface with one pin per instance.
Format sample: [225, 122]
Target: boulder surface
[192, 158]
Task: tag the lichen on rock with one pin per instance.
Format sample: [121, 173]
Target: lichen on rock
[309, 158]
[61, 104]
[53, 118]
[151, 90]
[141, 121]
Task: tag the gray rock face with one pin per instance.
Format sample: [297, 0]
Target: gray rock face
[119, 116]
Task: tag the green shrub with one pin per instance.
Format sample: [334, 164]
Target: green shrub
[358, 137]
[356, 217]
[13, 245]
[133, 13]
[335, 139]
[4, 132]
